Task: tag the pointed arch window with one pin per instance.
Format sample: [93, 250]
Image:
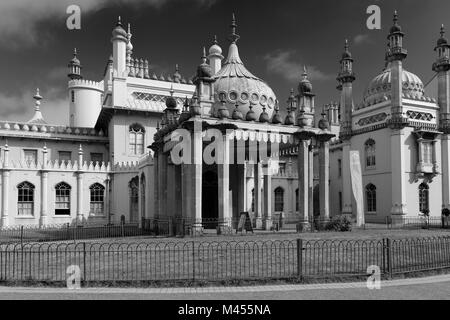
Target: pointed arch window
[136, 139]
[62, 200]
[371, 198]
[370, 150]
[253, 200]
[296, 199]
[97, 203]
[279, 199]
[25, 199]
[424, 205]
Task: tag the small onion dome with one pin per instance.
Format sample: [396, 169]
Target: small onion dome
[129, 35]
[395, 28]
[177, 76]
[304, 86]
[204, 69]
[171, 102]
[75, 60]
[251, 115]
[276, 119]
[222, 112]
[347, 54]
[119, 31]
[237, 115]
[442, 40]
[323, 123]
[264, 117]
[289, 121]
[215, 49]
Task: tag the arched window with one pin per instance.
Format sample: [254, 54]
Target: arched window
[279, 199]
[134, 198]
[25, 199]
[296, 199]
[97, 203]
[62, 200]
[371, 198]
[370, 149]
[424, 205]
[136, 139]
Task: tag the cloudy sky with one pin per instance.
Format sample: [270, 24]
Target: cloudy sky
[278, 37]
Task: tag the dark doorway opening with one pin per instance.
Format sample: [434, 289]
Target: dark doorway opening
[210, 200]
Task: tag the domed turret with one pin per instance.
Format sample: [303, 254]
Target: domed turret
[74, 67]
[238, 86]
[171, 102]
[204, 69]
[276, 119]
[215, 49]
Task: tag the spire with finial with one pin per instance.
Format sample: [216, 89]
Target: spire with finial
[129, 44]
[305, 86]
[37, 118]
[204, 69]
[234, 37]
[177, 76]
[237, 114]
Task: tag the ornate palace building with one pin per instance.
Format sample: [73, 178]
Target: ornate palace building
[119, 158]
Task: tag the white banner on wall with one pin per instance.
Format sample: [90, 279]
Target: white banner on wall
[357, 187]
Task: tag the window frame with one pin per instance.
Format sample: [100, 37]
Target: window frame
[97, 200]
[371, 198]
[60, 199]
[370, 154]
[136, 140]
[35, 152]
[424, 197]
[279, 192]
[64, 152]
[30, 203]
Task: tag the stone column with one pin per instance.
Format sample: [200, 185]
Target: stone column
[162, 177]
[5, 187]
[139, 202]
[303, 185]
[80, 186]
[156, 183]
[107, 198]
[257, 194]
[398, 180]
[324, 180]
[44, 188]
[346, 180]
[242, 188]
[311, 182]
[196, 167]
[445, 163]
[267, 222]
[223, 168]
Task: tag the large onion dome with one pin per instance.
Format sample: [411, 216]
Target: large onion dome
[380, 87]
[234, 84]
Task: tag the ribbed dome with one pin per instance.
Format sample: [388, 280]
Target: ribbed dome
[235, 84]
[380, 87]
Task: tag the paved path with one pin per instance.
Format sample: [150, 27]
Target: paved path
[436, 287]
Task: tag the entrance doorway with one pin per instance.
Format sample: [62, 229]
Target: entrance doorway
[210, 200]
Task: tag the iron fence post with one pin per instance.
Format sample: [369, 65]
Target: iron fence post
[388, 257]
[193, 260]
[84, 264]
[299, 258]
[122, 228]
[21, 235]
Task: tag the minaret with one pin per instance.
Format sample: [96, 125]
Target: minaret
[75, 67]
[442, 67]
[119, 87]
[204, 86]
[215, 56]
[395, 57]
[119, 40]
[305, 101]
[346, 78]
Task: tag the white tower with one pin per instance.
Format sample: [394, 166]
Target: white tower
[215, 56]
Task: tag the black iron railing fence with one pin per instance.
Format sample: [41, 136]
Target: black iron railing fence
[220, 260]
